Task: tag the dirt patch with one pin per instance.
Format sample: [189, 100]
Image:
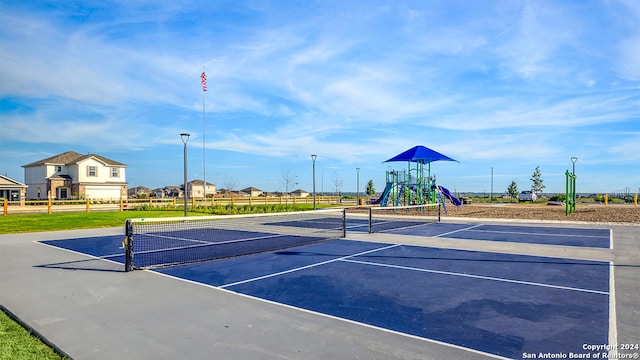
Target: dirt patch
[621, 214]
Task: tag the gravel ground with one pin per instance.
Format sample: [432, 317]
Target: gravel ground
[617, 214]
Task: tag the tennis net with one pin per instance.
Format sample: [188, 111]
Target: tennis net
[161, 242]
[387, 218]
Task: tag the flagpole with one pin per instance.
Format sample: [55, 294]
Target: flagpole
[204, 152]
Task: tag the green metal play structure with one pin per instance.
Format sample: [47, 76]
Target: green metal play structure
[570, 193]
[415, 185]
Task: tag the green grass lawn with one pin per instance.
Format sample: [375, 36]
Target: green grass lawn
[21, 223]
[16, 343]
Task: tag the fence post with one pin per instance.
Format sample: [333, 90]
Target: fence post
[6, 207]
[88, 202]
[606, 199]
[49, 204]
[635, 199]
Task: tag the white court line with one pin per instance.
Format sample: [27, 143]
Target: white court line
[537, 233]
[94, 257]
[201, 243]
[481, 277]
[307, 266]
[333, 317]
[611, 239]
[455, 231]
[613, 327]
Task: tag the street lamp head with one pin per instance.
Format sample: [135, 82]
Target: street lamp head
[313, 157]
[574, 159]
[185, 137]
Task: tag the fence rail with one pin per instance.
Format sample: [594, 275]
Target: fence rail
[87, 205]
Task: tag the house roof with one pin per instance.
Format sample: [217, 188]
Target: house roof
[61, 176]
[72, 157]
[250, 189]
[7, 182]
[199, 182]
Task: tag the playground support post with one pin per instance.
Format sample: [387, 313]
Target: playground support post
[570, 193]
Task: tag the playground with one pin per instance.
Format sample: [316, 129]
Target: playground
[415, 185]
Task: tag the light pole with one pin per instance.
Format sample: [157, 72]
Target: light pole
[573, 161]
[358, 186]
[491, 194]
[313, 158]
[185, 139]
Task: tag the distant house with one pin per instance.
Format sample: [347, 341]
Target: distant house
[71, 175]
[168, 192]
[300, 193]
[251, 191]
[195, 189]
[12, 190]
[139, 191]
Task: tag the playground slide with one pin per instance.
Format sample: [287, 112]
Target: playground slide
[454, 200]
[385, 194]
[400, 190]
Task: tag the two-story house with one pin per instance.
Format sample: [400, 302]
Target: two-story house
[195, 189]
[71, 176]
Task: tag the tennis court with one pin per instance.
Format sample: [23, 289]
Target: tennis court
[438, 289]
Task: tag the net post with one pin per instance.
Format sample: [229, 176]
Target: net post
[370, 220]
[344, 222]
[438, 212]
[128, 247]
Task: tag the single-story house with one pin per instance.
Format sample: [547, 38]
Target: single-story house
[11, 189]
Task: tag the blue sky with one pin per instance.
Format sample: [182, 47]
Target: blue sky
[508, 85]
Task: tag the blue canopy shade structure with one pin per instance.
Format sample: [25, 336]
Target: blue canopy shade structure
[412, 186]
[420, 154]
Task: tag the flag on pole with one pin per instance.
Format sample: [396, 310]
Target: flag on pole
[203, 78]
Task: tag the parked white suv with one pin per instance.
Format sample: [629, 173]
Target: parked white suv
[527, 196]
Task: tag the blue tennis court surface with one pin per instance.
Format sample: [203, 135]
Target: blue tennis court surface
[500, 304]
[596, 238]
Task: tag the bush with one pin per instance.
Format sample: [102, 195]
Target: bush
[558, 197]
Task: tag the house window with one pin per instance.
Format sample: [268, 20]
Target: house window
[58, 168]
[115, 172]
[63, 193]
[92, 171]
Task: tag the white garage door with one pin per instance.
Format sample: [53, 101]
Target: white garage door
[103, 192]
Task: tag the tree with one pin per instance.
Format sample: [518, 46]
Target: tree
[370, 189]
[537, 183]
[338, 184]
[512, 190]
[289, 181]
[230, 184]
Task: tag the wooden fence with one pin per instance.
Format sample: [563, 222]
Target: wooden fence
[87, 205]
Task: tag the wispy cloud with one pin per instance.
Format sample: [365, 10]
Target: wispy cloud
[356, 81]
